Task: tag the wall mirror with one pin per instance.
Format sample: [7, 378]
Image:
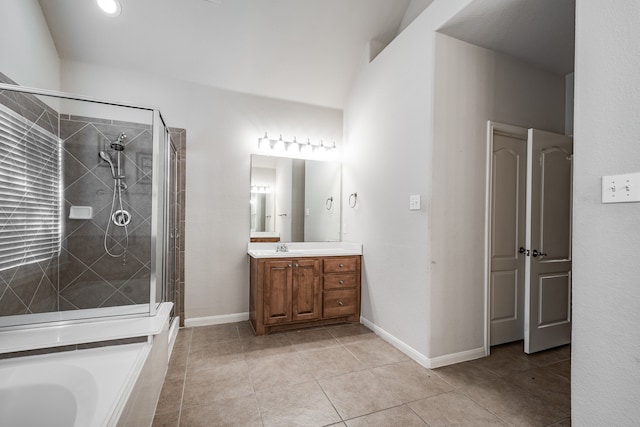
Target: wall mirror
[295, 200]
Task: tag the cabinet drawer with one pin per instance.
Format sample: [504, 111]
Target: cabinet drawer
[340, 265]
[339, 281]
[340, 303]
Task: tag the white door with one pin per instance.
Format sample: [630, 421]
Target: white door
[507, 213]
[548, 284]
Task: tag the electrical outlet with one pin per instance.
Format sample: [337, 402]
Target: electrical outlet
[621, 188]
[414, 202]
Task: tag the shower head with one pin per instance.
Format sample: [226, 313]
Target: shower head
[118, 145]
[104, 156]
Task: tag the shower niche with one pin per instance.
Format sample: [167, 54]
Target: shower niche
[99, 234]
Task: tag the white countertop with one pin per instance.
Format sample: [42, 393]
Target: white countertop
[304, 249]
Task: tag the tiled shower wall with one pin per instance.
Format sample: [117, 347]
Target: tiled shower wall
[179, 138]
[29, 288]
[88, 276]
[85, 276]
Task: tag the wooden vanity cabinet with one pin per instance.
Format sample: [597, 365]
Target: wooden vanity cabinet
[287, 293]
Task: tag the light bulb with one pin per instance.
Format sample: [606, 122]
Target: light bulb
[279, 146]
[110, 7]
[308, 148]
[264, 143]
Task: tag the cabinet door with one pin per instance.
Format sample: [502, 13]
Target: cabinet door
[307, 295]
[277, 291]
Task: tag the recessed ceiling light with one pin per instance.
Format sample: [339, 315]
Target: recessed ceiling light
[110, 7]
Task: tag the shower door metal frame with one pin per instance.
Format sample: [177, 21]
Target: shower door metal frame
[158, 215]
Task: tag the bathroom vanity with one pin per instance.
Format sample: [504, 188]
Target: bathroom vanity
[308, 284]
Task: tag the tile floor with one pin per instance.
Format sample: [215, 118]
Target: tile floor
[345, 375]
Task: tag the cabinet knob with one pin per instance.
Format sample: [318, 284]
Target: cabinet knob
[296, 265]
[340, 303]
[341, 282]
[341, 265]
[289, 265]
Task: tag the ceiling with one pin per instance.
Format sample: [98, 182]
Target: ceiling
[298, 50]
[540, 32]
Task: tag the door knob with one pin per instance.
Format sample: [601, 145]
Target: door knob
[536, 253]
[524, 251]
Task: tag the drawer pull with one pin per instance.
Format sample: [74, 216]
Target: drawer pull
[341, 265]
[340, 303]
[341, 282]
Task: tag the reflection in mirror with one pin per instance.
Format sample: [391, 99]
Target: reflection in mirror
[295, 200]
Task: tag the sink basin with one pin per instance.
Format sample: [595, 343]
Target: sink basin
[307, 249]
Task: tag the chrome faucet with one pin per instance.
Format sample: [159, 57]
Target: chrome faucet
[282, 247]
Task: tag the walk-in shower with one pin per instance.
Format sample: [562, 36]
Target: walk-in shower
[86, 229]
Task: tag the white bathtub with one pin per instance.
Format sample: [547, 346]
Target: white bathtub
[84, 388]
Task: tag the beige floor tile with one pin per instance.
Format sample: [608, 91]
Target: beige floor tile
[561, 368]
[239, 411]
[464, 374]
[166, 419]
[454, 409]
[205, 335]
[550, 356]
[244, 329]
[398, 416]
[178, 362]
[375, 352]
[330, 362]
[358, 393]
[504, 363]
[517, 405]
[516, 347]
[298, 405]
[171, 395]
[543, 381]
[215, 355]
[276, 371]
[183, 340]
[564, 423]
[311, 339]
[227, 381]
[410, 381]
[266, 346]
[351, 333]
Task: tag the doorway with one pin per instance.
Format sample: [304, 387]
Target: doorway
[528, 283]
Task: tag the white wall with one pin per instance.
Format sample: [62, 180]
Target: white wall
[222, 130]
[412, 127]
[27, 52]
[388, 129]
[473, 85]
[605, 370]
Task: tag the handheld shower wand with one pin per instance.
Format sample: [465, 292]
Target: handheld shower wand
[104, 156]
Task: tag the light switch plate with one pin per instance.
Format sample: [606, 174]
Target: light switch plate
[621, 188]
[414, 202]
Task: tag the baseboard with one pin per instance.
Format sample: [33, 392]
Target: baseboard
[400, 345]
[216, 320]
[463, 356]
[434, 362]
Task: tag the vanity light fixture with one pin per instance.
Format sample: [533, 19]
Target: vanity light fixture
[260, 189]
[110, 7]
[295, 148]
